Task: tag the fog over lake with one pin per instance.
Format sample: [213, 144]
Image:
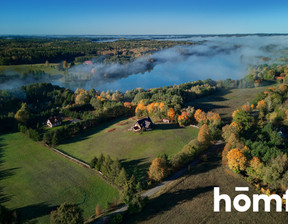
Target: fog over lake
[216, 57]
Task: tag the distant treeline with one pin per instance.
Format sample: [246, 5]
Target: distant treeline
[19, 50]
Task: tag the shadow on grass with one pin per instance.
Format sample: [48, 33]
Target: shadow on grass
[4, 173]
[166, 126]
[137, 167]
[30, 212]
[85, 134]
[167, 201]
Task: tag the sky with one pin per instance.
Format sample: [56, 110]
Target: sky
[127, 17]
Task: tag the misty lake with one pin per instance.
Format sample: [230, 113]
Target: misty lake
[217, 57]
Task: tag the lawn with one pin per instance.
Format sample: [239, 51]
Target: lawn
[225, 102]
[190, 199]
[134, 150]
[51, 69]
[34, 181]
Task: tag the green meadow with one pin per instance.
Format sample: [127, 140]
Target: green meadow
[35, 180]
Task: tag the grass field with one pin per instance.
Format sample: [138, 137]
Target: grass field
[136, 151]
[51, 69]
[34, 180]
[191, 200]
[225, 102]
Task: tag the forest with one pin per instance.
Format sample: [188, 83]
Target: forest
[28, 50]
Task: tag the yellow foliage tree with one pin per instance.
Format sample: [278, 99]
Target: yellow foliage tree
[158, 169]
[140, 106]
[203, 135]
[261, 105]
[236, 160]
[213, 118]
[246, 108]
[254, 163]
[234, 113]
[23, 114]
[200, 116]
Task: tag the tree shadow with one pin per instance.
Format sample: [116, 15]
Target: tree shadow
[166, 126]
[166, 202]
[136, 167]
[34, 211]
[85, 134]
[5, 173]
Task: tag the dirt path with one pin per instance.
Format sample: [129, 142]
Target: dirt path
[163, 184]
[191, 200]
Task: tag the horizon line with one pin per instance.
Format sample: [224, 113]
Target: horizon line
[207, 34]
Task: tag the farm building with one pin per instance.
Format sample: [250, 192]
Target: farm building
[145, 123]
[166, 121]
[54, 121]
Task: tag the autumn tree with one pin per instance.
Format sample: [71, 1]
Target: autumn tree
[261, 105]
[246, 108]
[236, 160]
[200, 116]
[140, 109]
[183, 118]
[203, 135]
[23, 114]
[171, 114]
[158, 169]
[98, 210]
[213, 118]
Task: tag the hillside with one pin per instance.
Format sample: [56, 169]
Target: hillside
[191, 199]
[34, 181]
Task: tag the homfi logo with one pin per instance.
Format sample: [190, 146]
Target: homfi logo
[243, 207]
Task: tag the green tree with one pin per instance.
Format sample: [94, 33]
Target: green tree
[67, 214]
[23, 114]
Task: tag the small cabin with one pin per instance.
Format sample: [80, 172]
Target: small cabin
[54, 121]
[166, 121]
[145, 123]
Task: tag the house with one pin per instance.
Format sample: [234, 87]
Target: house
[283, 132]
[87, 62]
[166, 121]
[54, 121]
[145, 123]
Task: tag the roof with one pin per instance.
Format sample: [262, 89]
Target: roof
[145, 122]
[87, 62]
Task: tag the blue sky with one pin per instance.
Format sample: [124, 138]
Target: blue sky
[110, 17]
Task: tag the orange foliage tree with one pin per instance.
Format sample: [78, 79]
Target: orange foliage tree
[171, 114]
[246, 108]
[200, 116]
[261, 105]
[183, 118]
[127, 104]
[158, 169]
[234, 113]
[203, 135]
[213, 118]
[254, 163]
[236, 160]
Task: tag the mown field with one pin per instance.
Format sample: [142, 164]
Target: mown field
[191, 200]
[136, 151]
[225, 102]
[34, 181]
[51, 69]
